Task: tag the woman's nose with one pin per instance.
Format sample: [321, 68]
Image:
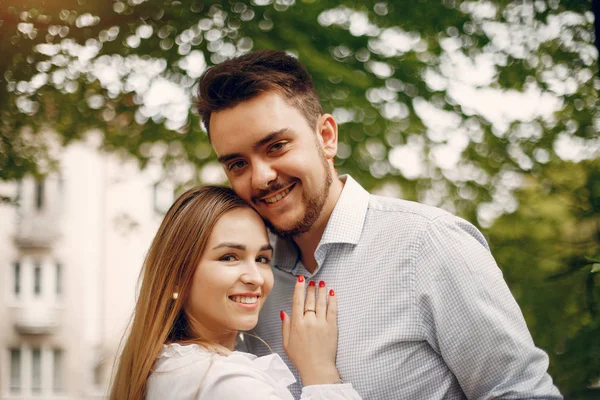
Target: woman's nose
[253, 275]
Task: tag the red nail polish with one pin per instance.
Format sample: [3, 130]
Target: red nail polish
[281, 315]
[301, 278]
[322, 284]
[312, 283]
[331, 292]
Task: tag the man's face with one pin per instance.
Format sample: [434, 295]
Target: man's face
[274, 160]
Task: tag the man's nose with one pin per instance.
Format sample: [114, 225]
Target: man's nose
[263, 174]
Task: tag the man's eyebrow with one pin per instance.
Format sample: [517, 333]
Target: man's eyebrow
[226, 157]
[269, 138]
[256, 146]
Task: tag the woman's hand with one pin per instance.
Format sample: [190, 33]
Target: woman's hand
[310, 336]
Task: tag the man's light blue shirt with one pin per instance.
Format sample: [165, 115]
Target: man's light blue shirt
[423, 309]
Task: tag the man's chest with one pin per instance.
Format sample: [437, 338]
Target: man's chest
[382, 349]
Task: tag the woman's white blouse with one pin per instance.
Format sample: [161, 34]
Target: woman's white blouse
[192, 372]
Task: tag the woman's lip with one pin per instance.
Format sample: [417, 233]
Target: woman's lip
[246, 294]
[252, 306]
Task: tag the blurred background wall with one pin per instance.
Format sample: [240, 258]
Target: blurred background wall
[71, 253]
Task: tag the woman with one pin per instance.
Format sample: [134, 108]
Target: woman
[206, 277]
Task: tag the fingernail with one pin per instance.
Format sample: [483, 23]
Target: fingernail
[301, 278]
[312, 283]
[322, 284]
[331, 292]
[281, 315]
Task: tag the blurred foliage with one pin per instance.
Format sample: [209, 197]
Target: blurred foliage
[548, 250]
[394, 74]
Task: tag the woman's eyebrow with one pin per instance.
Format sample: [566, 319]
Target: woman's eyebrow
[230, 245]
[266, 247]
[239, 246]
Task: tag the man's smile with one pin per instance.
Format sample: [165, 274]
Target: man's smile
[278, 196]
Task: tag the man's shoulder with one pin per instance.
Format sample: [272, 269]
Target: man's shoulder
[417, 218]
[390, 207]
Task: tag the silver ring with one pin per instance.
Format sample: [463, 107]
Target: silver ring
[309, 310]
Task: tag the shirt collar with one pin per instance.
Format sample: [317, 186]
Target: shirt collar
[345, 225]
[348, 217]
[285, 253]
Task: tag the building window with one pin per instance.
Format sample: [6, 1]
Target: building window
[17, 278]
[15, 370]
[39, 195]
[37, 278]
[57, 380]
[59, 271]
[36, 370]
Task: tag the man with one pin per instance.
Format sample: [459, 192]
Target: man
[423, 309]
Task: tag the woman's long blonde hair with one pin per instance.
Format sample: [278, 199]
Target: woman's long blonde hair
[169, 267]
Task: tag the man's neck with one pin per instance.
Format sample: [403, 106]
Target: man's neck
[308, 242]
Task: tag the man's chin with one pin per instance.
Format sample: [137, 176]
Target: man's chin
[287, 232]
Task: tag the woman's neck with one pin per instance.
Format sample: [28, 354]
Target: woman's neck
[224, 338]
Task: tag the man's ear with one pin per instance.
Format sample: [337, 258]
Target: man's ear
[328, 131]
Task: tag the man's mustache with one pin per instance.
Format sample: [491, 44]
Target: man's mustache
[273, 187]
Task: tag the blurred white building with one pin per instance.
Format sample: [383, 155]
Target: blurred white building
[70, 255]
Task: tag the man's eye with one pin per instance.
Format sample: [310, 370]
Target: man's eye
[234, 166]
[277, 146]
[263, 260]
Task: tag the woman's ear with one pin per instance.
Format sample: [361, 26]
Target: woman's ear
[328, 131]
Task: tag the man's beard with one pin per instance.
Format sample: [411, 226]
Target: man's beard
[313, 208]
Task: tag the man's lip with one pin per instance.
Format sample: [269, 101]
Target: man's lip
[277, 192]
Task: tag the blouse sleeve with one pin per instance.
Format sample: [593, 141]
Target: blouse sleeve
[343, 391]
[264, 379]
[243, 384]
[241, 376]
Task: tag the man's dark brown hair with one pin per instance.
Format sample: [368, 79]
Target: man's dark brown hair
[243, 78]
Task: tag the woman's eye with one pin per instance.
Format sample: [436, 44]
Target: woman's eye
[263, 259]
[228, 258]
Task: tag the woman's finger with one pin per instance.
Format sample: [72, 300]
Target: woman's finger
[322, 301]
[285, 328]
[309, 303]
[298, 299]
[332, 308]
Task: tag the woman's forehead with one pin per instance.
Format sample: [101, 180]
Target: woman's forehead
[241, 225]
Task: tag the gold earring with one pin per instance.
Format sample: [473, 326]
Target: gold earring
[176, 293]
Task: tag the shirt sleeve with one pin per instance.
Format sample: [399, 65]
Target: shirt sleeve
[470, 318]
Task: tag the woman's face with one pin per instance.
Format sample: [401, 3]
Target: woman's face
[233, 278]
